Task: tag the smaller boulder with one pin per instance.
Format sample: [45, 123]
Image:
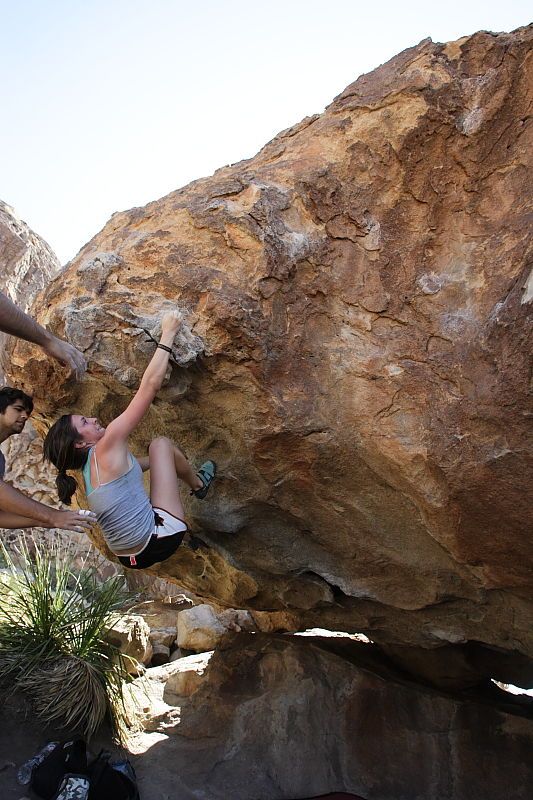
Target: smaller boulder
[177, 654]
[275, 621]
[164, 636]
[131, 635]
[199, 629]
[161, 655]
[188, 675]
[235, 619]
[158, 614]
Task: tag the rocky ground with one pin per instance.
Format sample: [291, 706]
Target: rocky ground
[281, 716]
[21, 736]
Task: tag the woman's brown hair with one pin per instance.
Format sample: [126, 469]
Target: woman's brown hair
[59, 448]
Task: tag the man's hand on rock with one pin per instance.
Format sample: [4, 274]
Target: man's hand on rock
[17, 323]
[67, 355]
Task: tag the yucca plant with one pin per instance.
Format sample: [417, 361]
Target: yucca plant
[53, 624]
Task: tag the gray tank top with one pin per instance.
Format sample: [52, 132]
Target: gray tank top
[122, 507]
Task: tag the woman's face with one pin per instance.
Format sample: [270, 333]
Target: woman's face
[89, 429]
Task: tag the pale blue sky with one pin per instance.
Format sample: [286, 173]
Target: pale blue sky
[108, 104]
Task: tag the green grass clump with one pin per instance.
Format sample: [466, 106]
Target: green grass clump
[53, 624]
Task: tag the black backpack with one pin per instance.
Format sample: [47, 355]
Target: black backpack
[112, 780]
[65, 775]
[67, 758]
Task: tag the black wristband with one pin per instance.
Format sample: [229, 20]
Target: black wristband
[164, 347]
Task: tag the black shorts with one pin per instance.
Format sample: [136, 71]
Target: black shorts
[156, 550]
[162, 544]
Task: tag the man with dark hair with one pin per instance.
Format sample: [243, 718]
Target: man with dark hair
[15, 408]
[17, 510]
[9, 395]
[17, 323]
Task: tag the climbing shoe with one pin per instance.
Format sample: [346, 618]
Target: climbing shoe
[206, 473]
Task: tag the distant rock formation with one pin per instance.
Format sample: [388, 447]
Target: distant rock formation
[354, 357]
[28, 262]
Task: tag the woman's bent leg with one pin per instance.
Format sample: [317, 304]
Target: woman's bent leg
[167, 464]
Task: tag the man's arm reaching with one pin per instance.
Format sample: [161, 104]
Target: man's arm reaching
[17, 323]
[12, 521]
[15, 504]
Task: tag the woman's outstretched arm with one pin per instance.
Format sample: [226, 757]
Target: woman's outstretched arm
[118, 431]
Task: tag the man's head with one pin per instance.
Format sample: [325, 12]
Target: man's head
[15, 408]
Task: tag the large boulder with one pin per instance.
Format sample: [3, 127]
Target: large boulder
[354, 354]
[276, 718]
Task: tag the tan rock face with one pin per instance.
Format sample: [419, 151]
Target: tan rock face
[354, 355]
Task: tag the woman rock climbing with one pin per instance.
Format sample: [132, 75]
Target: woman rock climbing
[140, 530]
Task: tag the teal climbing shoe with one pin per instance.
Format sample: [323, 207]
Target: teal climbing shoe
[206, 473]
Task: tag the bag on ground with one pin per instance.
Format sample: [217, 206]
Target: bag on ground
[64, 774]
[73, 787]
[68, 758]
[112, 780]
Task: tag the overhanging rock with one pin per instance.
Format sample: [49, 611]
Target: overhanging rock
[354, 354]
